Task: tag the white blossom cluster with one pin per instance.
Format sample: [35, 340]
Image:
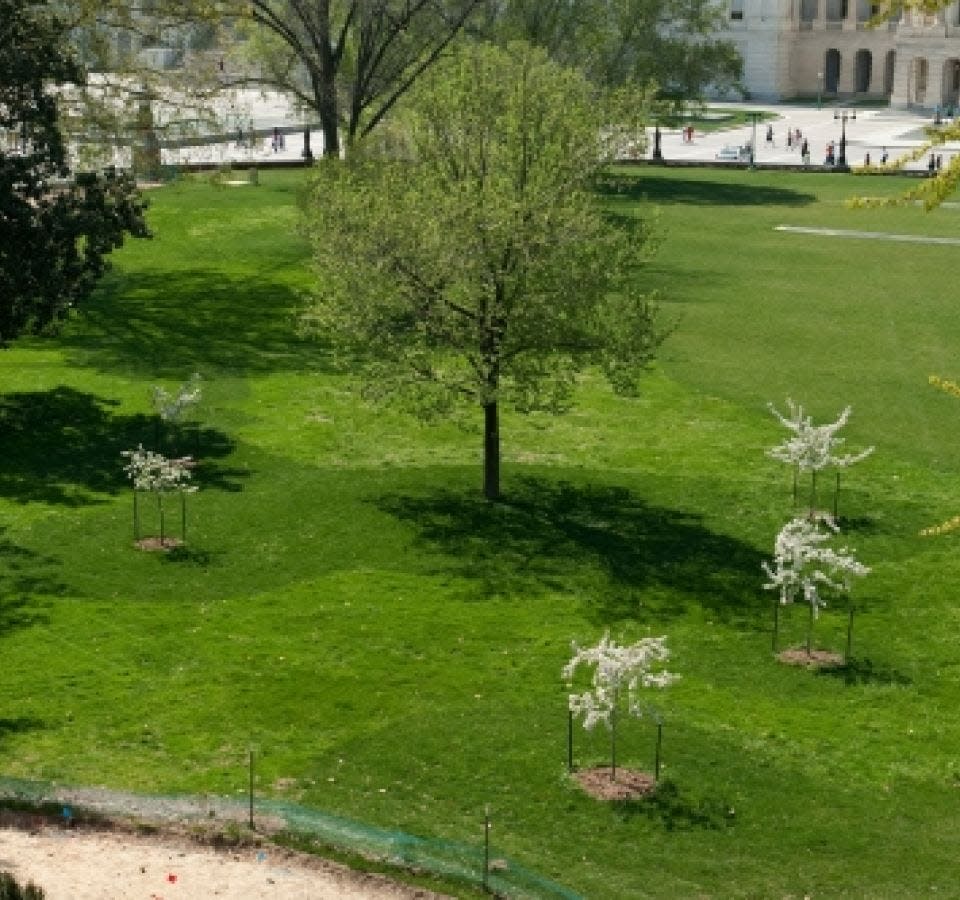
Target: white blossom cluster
[812, 447]
[171, 408]
[617, 668]
[151, 471]
[803, 564]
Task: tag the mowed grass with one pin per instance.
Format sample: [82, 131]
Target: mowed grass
[391, 644]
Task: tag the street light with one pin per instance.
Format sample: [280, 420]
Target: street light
[819, 90]
[842, 116]
[754, 117]
[307, 153]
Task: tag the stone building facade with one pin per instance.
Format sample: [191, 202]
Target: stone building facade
[828, 48]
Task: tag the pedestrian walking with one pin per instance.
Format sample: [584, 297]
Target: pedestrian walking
[884, 156]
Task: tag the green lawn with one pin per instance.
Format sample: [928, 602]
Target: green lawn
[392, 644]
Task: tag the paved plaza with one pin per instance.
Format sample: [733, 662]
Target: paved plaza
[250, 117]
[871, 132]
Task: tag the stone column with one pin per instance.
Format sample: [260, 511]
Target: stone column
[850, 19]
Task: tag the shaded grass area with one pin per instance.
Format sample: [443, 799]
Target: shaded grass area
[392, 645]
[546, 532]
[62, 446]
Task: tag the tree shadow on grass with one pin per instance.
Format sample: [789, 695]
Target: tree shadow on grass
[18, 725]
[861, 524]
[856, 671]
[664, 191]
[171, 324]
[186, 555]
[23, 573]
[559, 536]
[677, 810]
[62, 446]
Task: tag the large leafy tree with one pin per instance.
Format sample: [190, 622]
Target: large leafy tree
[348, 61]
[55, 231]
[477, 266]
[671, 43]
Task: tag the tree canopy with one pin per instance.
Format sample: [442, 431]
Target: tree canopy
[671, 43]
[349, 61]
[476, 265]
[55, 232]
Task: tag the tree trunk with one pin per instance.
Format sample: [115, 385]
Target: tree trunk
[491, 452]
[325, 94]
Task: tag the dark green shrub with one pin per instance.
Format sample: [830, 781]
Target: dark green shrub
[10, 890]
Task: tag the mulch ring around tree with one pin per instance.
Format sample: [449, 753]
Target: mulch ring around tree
[154, 543]
[630, 784]
[814, 659]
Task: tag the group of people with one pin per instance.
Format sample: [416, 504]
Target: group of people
[277, 142]
[795, 141]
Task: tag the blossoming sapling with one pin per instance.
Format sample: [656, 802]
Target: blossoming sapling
[812, 448]
[155, 473]
[617, 671]
[803, 565]
[171, 408]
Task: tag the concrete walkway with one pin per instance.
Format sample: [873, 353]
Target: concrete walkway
[250, 116]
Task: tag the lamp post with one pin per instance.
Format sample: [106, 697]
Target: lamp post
[307, 153]
[842, 116]
[819, 90]
[754, 118]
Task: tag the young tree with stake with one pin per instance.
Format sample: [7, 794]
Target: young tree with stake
[803, 565]
[813, 448]
[154, 473]
[619, 672]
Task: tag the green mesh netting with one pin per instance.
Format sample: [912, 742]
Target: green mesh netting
[462, 862]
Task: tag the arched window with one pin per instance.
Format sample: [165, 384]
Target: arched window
[950, 92]
[921, 72]
[863, 68]
[888, 70]
[831, 71]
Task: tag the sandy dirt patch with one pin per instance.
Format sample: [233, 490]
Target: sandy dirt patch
[629, 784]
[77, 864]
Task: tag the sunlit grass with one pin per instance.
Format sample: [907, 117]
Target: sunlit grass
[392, 644]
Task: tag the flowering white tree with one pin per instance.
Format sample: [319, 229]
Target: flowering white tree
[171, 408]
[803, 565]
[155, 473]
[618, 671]
[812, 448]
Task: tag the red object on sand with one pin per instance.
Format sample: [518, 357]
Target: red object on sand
[172, 879]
